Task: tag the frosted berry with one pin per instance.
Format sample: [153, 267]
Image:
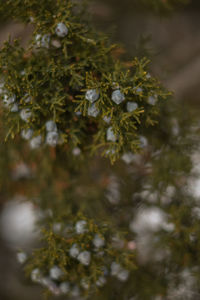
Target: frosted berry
[131, 106]
[98, 241]
[107, 119]
[110, 135]
[2, 86]
[52, 138]
[123, 275]
[118, 97]
[27, 98]
[84, 258]
[76, 151]
[128, 157]
[42, 40]
[81, 227]
[7, 100]
[101, 281]
[14, 108]
[64, 287]
[138, 90]
[152, 100]
[115, 268]
[21, 257]
[25, 114]
[93, 111]
[36, 275]
[61, 30]
[36, 142]
[74, 251]
[143, 142]
[27, 134]
[55, 272]
[92, 95]
[50, 126]
[84, 284]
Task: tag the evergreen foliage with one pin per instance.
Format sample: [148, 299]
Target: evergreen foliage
[70, 95]
[50, 81]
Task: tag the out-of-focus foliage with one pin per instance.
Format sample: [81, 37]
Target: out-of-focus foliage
[126, 231]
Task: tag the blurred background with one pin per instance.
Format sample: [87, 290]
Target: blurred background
[172, 41]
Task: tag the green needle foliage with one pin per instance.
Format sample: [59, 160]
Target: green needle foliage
[68, 99]
[50, 80]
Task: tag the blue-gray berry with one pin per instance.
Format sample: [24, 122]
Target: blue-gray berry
[36, 142]
[143, 141]
[74, 251]
[25, 114]
[21, 257]
[64, 287]
[81, 227]
[27, 98]
[107, 119]
[14, 108]
[152, 100]
[7, 100]
[98, 241]
[50, 126]
[27, 133]
[138, 90]
[84, 258]
[42, 40]
[55, 272]
[93, 111]
[131, 106]
[110, 135]
[118, 97]
[52, 138]
[76, 151]
[92, 95]
[61, 30]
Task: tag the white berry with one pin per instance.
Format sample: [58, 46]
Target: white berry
[64, 287]
[118, 97]
[14, 108]
[55, 272]
[152, 100]
[98, 241]
[21, 257]
[110, 135]
[93, 111]
[36, 142]
[81, 227]
[84, 258]
[27, 134]
[138, 90]
[74, 251]
[76, 151]
[52, 138]
[42, 40]
[143, 142]
[7, 100]
[27, 98]
[61, 30]
[107, 119]
[25, 114]
[131, 106]
[101, 281]
[50, 126]
[128, 157]
[36, 275]
[115, 268]
[92, 95]
[123, 275]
